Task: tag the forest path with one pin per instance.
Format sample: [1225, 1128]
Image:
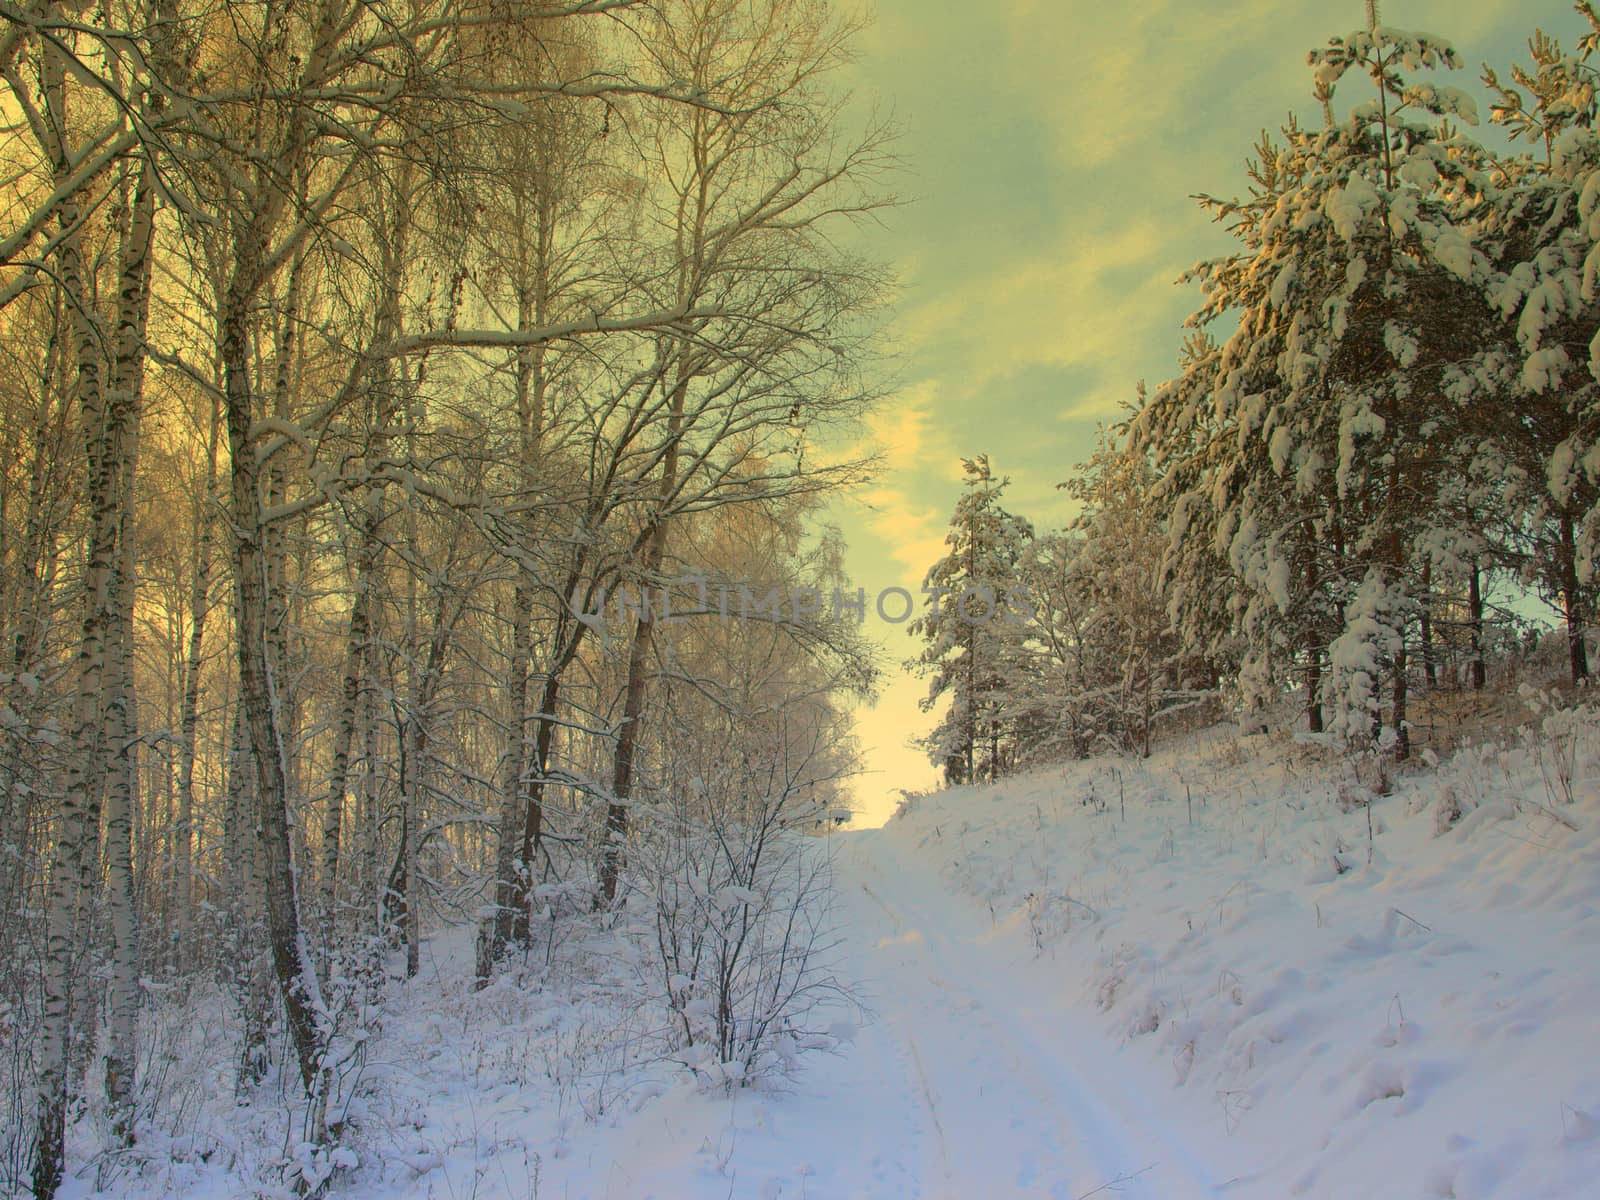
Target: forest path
[1003, 1090]
[974, 1074]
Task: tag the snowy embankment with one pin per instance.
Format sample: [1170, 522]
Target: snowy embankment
[1195, 976]
[1412, 1015]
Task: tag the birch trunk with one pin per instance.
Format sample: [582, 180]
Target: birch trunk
[414, 778]
[73, 855]
[1572, 602]
[240, 968]
[122, 790]
[622, 768]
[520, 811]
[35, 570]
[360, 664]
[189, 705]
[258, 689]
[498, 926]
[1480, 672]
[1430, 668]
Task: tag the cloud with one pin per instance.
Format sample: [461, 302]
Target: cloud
[1027, 357]
[910, 530]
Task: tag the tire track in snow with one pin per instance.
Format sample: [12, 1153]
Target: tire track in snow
[1014, 1111]
[916, 1054]
[933, 1107]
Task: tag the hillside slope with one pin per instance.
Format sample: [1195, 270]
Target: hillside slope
[1410, 1016]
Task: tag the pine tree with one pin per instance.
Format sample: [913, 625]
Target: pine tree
[972, 628]
[1316, 436]
[1134, 668]
[1538, 222]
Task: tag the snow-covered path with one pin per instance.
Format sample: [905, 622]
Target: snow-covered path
[969, 1079]
[999, 1093]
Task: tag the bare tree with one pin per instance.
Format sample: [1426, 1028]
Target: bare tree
[749, 190]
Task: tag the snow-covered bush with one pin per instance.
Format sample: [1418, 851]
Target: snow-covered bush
[1359, 658]
[742, 935]
[1552, 738]
[739, 900]
[1446, 809]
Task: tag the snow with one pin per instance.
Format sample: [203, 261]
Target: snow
[1560, 473]
[1454, 253]
[1347, 207]
[1418, 170]
[1419, 1024]
[1191, 976]
[1545, 368]
[1444, 100]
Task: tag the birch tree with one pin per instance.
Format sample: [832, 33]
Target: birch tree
[750, 188]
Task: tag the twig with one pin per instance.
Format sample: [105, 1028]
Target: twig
[1115, 1185]
[1555, 816]
[1413, 920]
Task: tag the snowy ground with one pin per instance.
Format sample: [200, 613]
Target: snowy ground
[1156, 981]
[1314, 1025]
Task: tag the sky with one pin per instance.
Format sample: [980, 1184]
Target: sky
[1051, 149]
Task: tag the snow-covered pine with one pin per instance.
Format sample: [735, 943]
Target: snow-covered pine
[1128, 670]
[1539, 217]
[972, 627]
[1314, 439]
